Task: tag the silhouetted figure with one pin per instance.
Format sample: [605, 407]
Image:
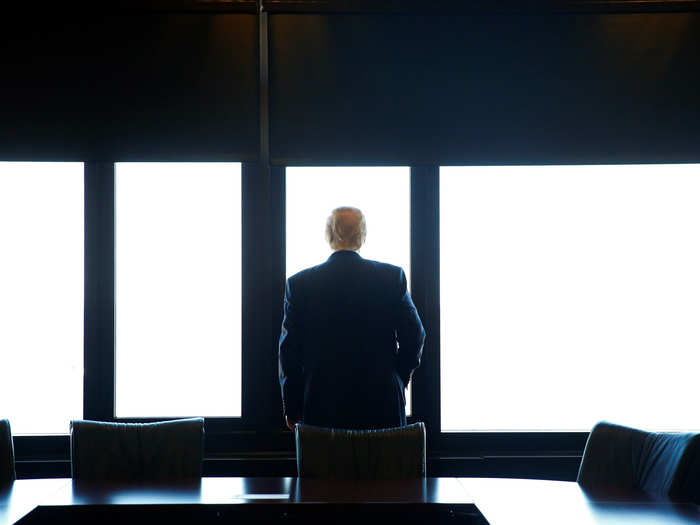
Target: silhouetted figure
[351, 336]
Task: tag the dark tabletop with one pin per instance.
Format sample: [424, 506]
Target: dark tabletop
[258, 500]
[512, 501]
[217, 499]
[501, 501]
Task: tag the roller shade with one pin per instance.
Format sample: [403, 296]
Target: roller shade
[485, 88]
[134, 86]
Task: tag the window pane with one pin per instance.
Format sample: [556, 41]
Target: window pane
[569, 294]
[178, 289]
[382, 193]
[41, 295]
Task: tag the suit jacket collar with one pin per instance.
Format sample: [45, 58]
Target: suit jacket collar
[345, 255]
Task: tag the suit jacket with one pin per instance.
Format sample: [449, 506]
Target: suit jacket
[351, 338]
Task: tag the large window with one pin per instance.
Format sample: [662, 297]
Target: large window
[178, 289]
[569, 294]
[41, 295]
[383, 195]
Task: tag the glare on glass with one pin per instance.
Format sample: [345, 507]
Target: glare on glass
[569, 295]
[178, 289]
[41, 295]
[382, 193]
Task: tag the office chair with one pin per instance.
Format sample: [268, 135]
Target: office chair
[657, 463]
[7, 454]
[169, 451]
[390, 453]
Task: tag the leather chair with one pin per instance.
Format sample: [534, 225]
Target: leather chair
[391, 453]
[7, 454]
[125, 453]
[657, 463]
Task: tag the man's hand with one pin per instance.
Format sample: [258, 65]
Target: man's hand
[291, 423]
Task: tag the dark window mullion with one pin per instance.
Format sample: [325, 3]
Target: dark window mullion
[98, 383]
[425, 290]
[263, 286]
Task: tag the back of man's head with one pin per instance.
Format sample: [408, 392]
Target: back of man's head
[346, 229]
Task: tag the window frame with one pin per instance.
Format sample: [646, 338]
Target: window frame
[100, 220]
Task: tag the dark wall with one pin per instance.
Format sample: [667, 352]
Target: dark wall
[485, 88]
[129, 86]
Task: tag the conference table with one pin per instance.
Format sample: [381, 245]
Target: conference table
[243, 500]
[510, 501]
[476, 501]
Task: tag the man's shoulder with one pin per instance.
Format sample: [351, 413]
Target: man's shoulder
[305, 273]
[383, 267]
[377, 268]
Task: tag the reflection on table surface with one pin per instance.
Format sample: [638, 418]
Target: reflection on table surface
[208, 491]
[268, 490]
[511, 501]
[18, 499]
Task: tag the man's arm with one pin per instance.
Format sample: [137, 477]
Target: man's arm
[409, 332]
[290, 362]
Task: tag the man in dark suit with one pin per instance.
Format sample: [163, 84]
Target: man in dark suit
[351, 337]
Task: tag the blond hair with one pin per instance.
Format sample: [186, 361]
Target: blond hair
[346, 228]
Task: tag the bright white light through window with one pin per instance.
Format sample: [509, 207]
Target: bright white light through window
[178, 289]
[382, 193]
[41, 295]
[569, 294]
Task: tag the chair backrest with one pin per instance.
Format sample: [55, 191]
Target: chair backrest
[686, 485]
[658, 463]
[168, 451]
[390, 453]
[7, 454]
